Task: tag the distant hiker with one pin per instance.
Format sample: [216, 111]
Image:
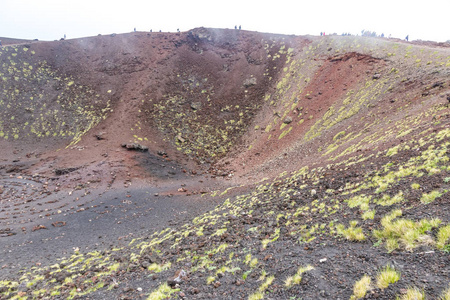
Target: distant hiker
[160, 30]
[321, 33]
[407, 37]
[178, 29]
[235, 26]
[151, 30]
[239, 27]
[64, 36]
[382, 35]
[134, 29]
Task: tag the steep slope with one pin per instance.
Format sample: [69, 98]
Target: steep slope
[334, 152]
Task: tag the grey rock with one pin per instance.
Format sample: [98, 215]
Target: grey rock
[249, 82]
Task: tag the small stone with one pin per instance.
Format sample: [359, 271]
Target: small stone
[249, 82]
[376, 76]
[322, 260]
[180, 139]
[196, 105]
[288, 120]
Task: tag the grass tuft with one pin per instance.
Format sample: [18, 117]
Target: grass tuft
[387, 276]
[297, 278]
[164, 291]
[430, 197]
[445, 294]
[443, 237]
[351, 233]
[361, 287]
[413, 294]
[404, 232]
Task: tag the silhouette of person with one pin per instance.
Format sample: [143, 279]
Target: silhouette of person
[235, 26]
[151, 30]
[178, 29]
[407, 38]
[134, 29]
[64, 36]
[239, 27]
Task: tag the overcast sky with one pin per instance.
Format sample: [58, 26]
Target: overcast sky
[51, 19]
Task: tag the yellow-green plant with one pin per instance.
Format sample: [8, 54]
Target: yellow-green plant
[412, 293]
[352, 233]
[404, 232]
[443, 237]
[297, 278]
[162, 292]
[445, 294]
[387, 276]
[430, 197]
[361, 287]
[259, 294]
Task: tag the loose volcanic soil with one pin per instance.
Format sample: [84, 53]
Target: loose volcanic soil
[216, 163]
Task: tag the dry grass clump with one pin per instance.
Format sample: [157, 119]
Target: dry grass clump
[387, 276]
[361, 287]
[412, 293]
[445, 294]
[259, 294]
[403, 232]
[443, 237]
[351, 233]
[297, 278]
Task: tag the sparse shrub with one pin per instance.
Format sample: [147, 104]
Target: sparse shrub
[387, 276]
[361, 287]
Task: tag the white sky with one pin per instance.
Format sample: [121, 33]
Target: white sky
[51, 19]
